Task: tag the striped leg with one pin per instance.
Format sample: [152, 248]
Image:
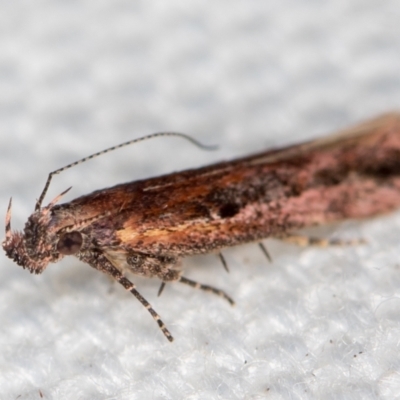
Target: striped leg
[128, 285]
[203, 287]
[98, 261]
[206, 288]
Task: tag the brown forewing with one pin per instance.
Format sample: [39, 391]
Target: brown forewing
[351, 175]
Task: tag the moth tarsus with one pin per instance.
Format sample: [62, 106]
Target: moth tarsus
[223, 261]
[265, 251]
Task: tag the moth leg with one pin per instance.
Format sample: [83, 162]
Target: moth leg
[128, 285]
[206, 288]
[304, 241]
[265, 251]
[100, 262]
[224, 264]
[167, 268]
[162, 286]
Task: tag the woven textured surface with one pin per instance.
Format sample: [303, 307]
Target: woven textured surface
[76, 77]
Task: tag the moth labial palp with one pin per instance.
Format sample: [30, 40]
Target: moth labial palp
[147, 227]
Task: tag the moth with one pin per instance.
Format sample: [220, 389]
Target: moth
[147, 227]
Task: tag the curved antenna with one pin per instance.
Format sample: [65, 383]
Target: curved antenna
[82, 160]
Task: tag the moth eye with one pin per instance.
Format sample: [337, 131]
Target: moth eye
[70, 243]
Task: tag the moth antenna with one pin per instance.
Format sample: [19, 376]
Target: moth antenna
[8, 220]
[82, 160]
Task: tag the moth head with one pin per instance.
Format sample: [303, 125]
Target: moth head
[39, 244]
[31, 249]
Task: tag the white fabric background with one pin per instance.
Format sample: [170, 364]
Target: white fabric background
[78, 76]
